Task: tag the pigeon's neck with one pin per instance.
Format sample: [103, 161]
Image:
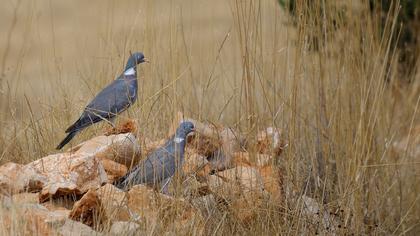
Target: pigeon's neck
[178, 142]
[130, 71]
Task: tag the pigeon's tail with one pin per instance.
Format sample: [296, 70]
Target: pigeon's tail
[66, 140]
[74, 126]
[121, 183]
[127, 181]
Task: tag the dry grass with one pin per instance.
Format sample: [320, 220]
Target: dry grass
[241, 63]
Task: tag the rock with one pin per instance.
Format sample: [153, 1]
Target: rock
[35, 216]
[34, 219]
[121, 148]
[68, 173]
[25, 198]
[59, 204]
[213, 141]
[203, 144]
[248, 178]
[230, 142]
[125, 228]
[57, 217]
[9, 173]
[206, 204]
[150, 146]
[154, 208]
[16, 178]
[204, 172]
[327, 223]
[88, 209]
[263, 159]
[240, 191]
[192, 188]
[113, 169]
[409, 145]
[98, 206]
[114, 203]
[245, 159]
[241, 159]
[220, 187]
[74, 228]
[269, 142]
[273, 183]
[193, 162]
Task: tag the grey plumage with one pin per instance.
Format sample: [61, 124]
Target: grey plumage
[112, 100]
[160, 165]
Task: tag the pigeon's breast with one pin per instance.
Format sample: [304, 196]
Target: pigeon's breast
[132, 87]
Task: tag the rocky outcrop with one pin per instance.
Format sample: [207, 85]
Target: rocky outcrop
[73, 191]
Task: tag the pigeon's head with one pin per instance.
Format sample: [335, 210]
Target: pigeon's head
[184, 129]
[135, 59]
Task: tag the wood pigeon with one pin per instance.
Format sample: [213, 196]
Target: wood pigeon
[112, 100]
[161, 164]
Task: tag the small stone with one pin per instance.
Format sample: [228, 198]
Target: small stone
[68, 173]
[24, 198]
[114, 203]
[88, 209]
[74, 228]
[124, 228]
[121, 148]
[113, 169]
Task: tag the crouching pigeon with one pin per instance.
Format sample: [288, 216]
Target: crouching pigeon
[161, 164]
[112, 100]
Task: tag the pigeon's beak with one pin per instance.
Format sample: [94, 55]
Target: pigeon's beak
[145, 60]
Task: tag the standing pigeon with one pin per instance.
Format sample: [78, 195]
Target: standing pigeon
[160, 165]
[112, 100]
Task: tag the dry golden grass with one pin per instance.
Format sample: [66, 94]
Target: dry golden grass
[241, 63]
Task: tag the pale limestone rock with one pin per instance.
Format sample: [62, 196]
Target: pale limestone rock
[150, 146]
[317, 214]
[16, 178]
[9, 173]
[107, 202]
[151, 207]
[25, 198]
[239, 190]
[273, 183]
[245, 159]
[409, 145]
[34, 219]
[114, 203]
[113, 169]
[88, 209]
[68, 173]
[248, 178]
[206, 204]
[119, 228]
[193, 162]
[74, 228]
[269, 142]
[121, 148]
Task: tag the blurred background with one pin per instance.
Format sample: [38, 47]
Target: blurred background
[341, 79]
[57, 55]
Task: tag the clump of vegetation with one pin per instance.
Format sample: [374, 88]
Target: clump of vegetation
[408, 22]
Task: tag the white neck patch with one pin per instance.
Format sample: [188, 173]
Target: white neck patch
[130, 71]
[178, 140]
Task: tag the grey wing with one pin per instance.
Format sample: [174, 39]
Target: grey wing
[163, 166]
[112, 100]
[158, 166]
